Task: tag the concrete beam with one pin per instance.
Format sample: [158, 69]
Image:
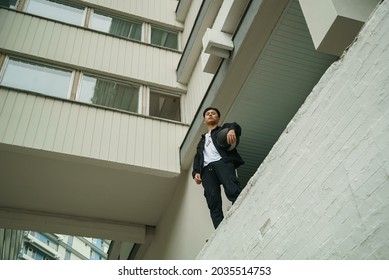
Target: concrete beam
[22, 219]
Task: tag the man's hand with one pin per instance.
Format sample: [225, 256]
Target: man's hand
[231, 137]
[197, 178]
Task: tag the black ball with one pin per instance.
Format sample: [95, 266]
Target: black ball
[221, 139]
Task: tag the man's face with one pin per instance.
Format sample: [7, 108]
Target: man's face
[211, 117]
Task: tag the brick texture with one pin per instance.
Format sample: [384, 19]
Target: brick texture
[323, 191]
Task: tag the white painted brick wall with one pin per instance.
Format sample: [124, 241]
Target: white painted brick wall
[323, 191]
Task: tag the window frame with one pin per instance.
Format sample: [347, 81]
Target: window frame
[65, 3]
[102, 13]
[153, 90]
[167, 30]
[88, 74]
[40, 64]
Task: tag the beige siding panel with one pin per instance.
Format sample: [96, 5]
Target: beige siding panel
[121, 54]
[54, 41]
[106, 135]
[139, 140]
[23, 33]
[59, 126]
[80, 131]
[46, 40]
[37, 41]
[156, 146]
[132, 124]
[62, 31]
[123, 139]
[13, 121]
[52, 126]
[88, 132]
[87, 49]
[43, 124]
[61, 130]
[4, 111]
[20, 133]
[33, 123]
[97, 134]
[91, 57]
[4, 20]
[8, 36]
[163, 144]
[79, 44]
[71, 129]
[115, 136]
[3, 97]
[107, 53]
[150, 139]
[69, 51]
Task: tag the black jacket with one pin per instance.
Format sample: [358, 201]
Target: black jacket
[226, 155]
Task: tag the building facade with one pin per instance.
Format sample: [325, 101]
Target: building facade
[47, 246]
[10, 243]
[101, 110]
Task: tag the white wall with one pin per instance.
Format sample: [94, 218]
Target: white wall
[185, 226]
[323, 191]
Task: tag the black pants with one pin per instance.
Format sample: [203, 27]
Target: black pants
[216, 174]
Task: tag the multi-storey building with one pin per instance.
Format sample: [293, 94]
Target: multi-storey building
[47, 246]
[10, 243]
[101, 110]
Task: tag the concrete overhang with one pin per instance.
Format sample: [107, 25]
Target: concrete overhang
[53, 179]
[334, 24]
[192, 51]
[182, 9]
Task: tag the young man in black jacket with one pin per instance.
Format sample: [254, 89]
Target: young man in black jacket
[215, 164]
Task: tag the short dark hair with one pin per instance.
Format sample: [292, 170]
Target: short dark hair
[211, 108]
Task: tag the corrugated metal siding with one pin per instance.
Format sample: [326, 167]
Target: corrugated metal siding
[27, 35]
[10, 243]
[61, 126]
[284, 76]
[155, 10]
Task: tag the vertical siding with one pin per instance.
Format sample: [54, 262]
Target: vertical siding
[77, 47]
[70, 128]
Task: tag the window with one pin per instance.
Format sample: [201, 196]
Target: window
[108, 93]
[164, 38]
[116, 26]
[38, 78]
[94, 255]
[9, 3]
[67, 255]
[164, 106]
[58, 10]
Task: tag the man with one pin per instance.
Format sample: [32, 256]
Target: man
[215, 165]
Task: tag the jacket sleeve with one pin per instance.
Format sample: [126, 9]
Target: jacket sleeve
[236, 127]
[197, 161]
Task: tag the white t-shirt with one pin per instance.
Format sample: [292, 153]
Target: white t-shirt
[210, 152]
